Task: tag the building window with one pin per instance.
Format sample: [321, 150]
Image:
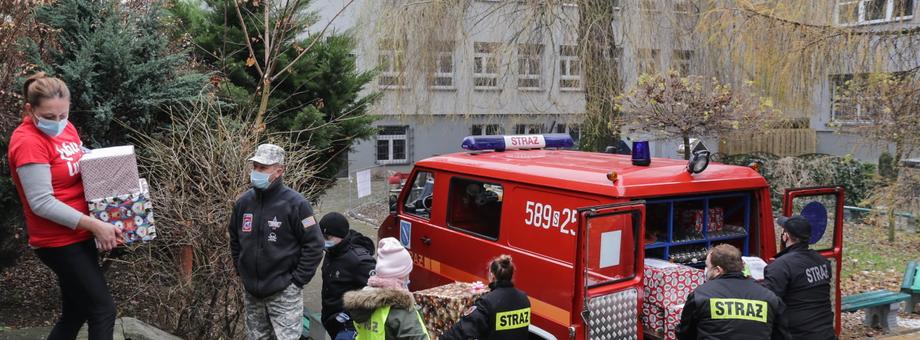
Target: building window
[845, 109]
[485, 129]
[520, 129]
[421, 197]
[681, 61]
[573, 130]
[442, 75]
[648, 60]
[569, 68]
[392, 145]
[684, 7]
[485, 66]
[475, 207]
[391, 61]
[861, 12]
[529, 66]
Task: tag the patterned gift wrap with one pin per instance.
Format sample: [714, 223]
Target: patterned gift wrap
[132, 213]
[109, 172]
[666, 288]
[692, 219]
[441, 307]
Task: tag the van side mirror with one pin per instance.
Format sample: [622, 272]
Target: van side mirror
[393, 199]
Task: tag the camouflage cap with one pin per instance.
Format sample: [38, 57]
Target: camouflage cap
[268, 154]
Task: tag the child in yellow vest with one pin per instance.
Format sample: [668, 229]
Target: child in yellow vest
[385, 309]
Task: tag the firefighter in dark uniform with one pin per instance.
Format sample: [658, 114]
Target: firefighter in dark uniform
[802, 279]
[503, 313]
[729, 305]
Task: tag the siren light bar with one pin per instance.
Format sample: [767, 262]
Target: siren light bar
[517, 142]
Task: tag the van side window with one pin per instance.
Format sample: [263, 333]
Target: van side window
[421, 196]
[475, 206]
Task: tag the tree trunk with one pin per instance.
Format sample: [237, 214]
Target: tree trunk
[263, 104]
[599, 73]
[686, 146]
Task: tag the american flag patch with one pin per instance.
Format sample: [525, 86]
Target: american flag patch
[308, 222]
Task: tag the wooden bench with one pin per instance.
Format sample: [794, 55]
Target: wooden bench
[881, 307]
[911, 286]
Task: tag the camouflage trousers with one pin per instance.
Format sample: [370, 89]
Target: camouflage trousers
[277, 317]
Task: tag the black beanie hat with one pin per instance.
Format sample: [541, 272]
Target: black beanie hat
[334, 224]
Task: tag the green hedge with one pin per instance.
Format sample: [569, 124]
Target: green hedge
[858, 178]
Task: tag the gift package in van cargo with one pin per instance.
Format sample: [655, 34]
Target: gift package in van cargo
[666, 288]
[116, 194]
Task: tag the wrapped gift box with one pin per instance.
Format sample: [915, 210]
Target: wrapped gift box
[443, 306]
[692, 219]
[109, 173]
[664, 324]
[132, 213]
[666, 288]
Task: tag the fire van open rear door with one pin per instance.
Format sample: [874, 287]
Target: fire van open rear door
[608, 271]
[823, 207]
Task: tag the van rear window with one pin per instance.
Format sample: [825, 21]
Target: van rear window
[475, 206]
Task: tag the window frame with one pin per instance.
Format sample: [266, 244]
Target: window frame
[485, 55]
[444, 49]
[395, 65]
[485, 128]
[530, 66]
[568, 59]
[861, 12]
[569, 128]
[450, 206]
[526, 128]
[431, 174]
[683, 60]
[839, 81]
[391, 138]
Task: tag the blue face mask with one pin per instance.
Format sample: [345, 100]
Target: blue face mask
[328, 244]
[259, 180]
[50, 127]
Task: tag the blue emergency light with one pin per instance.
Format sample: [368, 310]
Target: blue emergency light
[641, 156]
[517, 142]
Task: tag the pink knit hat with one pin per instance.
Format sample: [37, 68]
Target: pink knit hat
[393, 261]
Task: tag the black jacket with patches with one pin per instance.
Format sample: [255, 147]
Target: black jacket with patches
[802, 279]
[403, 322]
[483, 320]
[346, 267]
[270, 245]
[760, 314]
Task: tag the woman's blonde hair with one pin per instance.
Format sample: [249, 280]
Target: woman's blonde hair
[40, 87]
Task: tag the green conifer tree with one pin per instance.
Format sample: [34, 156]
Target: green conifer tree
[119, 65]
[321, 94]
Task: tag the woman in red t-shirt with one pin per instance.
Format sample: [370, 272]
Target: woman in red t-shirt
[44, 154]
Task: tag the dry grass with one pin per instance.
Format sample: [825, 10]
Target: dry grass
[196, 170]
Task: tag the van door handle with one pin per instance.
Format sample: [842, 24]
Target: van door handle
[426, 240]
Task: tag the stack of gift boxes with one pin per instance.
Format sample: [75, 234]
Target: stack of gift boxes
[443, 306]
[691, 220]
[666, 288]
[115, 193]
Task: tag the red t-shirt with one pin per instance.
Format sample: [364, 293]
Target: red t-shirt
[29, 145]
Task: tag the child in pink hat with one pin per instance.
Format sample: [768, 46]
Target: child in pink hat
[386, 308]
